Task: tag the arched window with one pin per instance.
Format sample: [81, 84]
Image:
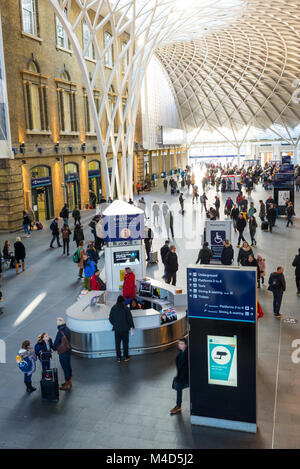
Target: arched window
[66, 103]
[29, 17]
[40, 171]
[108, 58]
[35, 90]
[89, 49]
[61, 35]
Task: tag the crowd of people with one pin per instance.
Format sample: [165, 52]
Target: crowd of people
[246, 217]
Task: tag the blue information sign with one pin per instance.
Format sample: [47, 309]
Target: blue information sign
[283, 180]
[219, 293]
[123, 227]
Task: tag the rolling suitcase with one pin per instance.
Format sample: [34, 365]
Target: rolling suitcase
[49, 385]
[265, 226]
[153, 257]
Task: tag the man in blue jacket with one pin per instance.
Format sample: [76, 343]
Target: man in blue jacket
[89, 270]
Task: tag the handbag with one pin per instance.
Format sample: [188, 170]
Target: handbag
[175, 385]
[64, 345]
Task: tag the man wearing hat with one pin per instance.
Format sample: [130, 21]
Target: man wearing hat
[62, 345]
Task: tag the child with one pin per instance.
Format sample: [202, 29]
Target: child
[26, 360]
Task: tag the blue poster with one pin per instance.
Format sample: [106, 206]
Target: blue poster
[222, 293]
[216, 242]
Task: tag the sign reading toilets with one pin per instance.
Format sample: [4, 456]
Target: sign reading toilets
[222, 360]
[216, 232]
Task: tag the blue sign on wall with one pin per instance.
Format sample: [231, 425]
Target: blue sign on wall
[283, 180]
[45, 181]
[220, 293]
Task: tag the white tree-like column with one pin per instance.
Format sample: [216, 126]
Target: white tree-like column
[149, 24]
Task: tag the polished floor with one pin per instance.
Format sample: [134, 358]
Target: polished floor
[127, 405]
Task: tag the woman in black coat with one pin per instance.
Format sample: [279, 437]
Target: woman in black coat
[43, 350]
[244, 253]
[181, 380]
[227, 253]
[20, 253]
[78, 234]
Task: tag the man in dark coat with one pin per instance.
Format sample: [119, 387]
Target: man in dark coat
[64, 214]
[62, 345]
[171, 263]
[277, 286]
[121, 319]
[296, 263]
[55, 233]
[271, 216]
[205, 254]
[227, 253]
[181, 380]
[163, 252]
[217, 205]
[240, 226]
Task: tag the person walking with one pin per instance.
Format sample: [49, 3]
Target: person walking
[43, 350]
[228, 206]
[26, 224]
[165, 183]
[205, 254]
[171, 263]
[163, 253]
[296, 264]
[76, 215]
[148, 241]
[66, 232]
[262, 211]
[31, 217]
[181, 201]
[55, 233]
[92, 199]
[251, 211]
[252, 229]
[62, 345]
[155, 210]
[203, 199]
[234, 215]
[26, 360]
[290, 212]
[78, 258]
[240, 226]
[181, 380]
[78, 234]
[277, 286]
[217, 205]
[227, 254]
[20, 254]
[262, 269]
[121, 319]
[271, 216]
[64, 214]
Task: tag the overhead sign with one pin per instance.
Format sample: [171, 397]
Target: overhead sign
[123, 227]
[5, 140]
[222, 293]
[283, 180]
[222, 360]
[216, 232]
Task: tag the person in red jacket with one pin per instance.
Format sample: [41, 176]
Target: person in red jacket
[96, 282]
[129, 285]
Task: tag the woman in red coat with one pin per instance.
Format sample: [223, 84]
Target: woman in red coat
[129, 285]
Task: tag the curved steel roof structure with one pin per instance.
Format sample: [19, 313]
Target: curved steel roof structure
[233, 65]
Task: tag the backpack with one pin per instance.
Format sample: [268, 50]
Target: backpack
[52, 226]
[76, 256]
[275, 283]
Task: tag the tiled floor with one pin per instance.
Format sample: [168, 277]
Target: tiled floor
[127, 406]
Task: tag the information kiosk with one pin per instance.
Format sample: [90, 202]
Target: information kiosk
[123, 226]
[222, 346]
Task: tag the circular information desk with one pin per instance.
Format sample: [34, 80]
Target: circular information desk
[91, 331]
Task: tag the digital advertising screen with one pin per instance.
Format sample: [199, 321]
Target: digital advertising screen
[126, 257]
[222, 360]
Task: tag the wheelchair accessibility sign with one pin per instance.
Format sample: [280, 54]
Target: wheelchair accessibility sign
[216, 232]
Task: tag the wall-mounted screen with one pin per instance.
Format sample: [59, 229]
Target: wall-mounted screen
[126, 257]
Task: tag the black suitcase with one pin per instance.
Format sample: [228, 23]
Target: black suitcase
[49, 385]
[265, 226]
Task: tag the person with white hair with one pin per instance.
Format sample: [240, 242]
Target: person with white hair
[62, 345]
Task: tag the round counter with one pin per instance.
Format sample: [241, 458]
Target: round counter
[92, 335]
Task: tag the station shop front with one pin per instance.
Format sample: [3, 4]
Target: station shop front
[72, 185]
[42, 193]
[94, 175]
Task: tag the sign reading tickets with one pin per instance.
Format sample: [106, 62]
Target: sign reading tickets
[222, 293]
[127, 227]
[216, 232]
